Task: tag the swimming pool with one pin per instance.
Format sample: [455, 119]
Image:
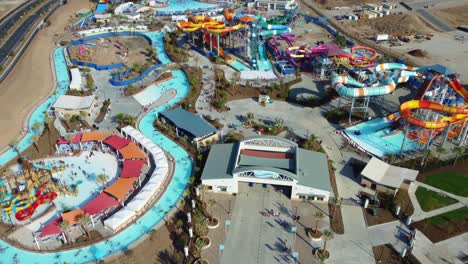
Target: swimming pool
[175, 189]
[238, 65]
[154, 92]
[377, 137]
[180, 6]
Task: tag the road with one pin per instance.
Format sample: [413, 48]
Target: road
[8, 22]
[15, 39]
[434, 20]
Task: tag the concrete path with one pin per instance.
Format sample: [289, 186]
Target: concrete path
[419, 214]
[255, 238]
[443, 252]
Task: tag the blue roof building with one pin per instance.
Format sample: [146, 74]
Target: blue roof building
[193, 126]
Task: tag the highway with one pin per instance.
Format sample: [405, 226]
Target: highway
[9, 21]
[434, 20]
[22, 31]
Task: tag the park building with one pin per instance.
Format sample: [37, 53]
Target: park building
[268, 160]
[385, 178]
[67, 106]
[198, 131]
[276, 4]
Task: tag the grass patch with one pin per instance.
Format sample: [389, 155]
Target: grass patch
[452, 182]
[430, 200]
[460, 214]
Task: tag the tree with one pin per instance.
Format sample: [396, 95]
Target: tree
[340, 40]
[318, 216]
[179, 225]
[440, 151]
[196, 59]
[278, 122]
[250, 117]
[336, 203]
[202, 190]
[84, 220]
[459, 151]
[64, 225]
[186, 47]
[125, 119]
[35, 138]
[102, 179]
[14, 145]
[211, 202]
[48, 120]
[327, 235]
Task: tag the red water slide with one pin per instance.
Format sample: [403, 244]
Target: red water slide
[26, 213]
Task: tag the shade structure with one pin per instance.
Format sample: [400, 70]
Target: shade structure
[120, 188]
[99, 204]
[62, 140]
[138, 205]
[131, 151]
[132, 168]
[73, 216]
[116, 142]
[52, 228]
[119, 219]
[94, 136]
[76, 138]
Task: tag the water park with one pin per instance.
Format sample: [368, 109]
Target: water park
[116, 179]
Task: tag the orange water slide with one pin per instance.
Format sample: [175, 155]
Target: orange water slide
[457, 114]
[206, 38]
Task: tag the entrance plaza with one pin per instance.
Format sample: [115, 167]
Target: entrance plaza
[255, 237]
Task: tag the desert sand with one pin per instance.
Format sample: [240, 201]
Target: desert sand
[6, 6]
[31, 81]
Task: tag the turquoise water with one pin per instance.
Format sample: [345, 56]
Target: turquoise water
[371, 137]
[38, 115]
[174, 191]
[179, 6]
[238, 65]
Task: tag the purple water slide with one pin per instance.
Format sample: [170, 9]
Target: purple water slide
[289, 38]
[273, 44]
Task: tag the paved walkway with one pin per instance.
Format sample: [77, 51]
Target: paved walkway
[419, 214]
[255, 238]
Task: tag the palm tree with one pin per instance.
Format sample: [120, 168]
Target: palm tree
[102, 178]
[35, 138]
[84, 220]
[459, 151]
[440, 151]
[196, 59]
[182, 203]
[64, 225]
[278, 122]
[318, 216]
[211, 202]
[203, 189]
[179, 225]
[37, 127]
[48, 120]
[327, 235]
[250, 117]
[429, 155]
[336, 203]
[14, 145]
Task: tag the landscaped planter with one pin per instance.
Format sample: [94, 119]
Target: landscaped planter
[207, 242]
[316, 235]
[324, 256]
[214, 224]
[201, 261]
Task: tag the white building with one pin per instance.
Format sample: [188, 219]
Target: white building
[268, 160]
[69, 105]
[276, 4]
[75, 83]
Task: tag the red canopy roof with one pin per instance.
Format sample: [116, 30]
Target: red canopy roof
[132, 168]
[76, 138]
[52, 228]
[117, 142]
[62, 140]
[100, 203]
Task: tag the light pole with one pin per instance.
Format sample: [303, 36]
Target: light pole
[229, 207]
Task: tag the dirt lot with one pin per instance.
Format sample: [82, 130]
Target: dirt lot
[6, 6]
[337, 3]
[456, 16]
[105, 52]
[405, 24]
[30, 82]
